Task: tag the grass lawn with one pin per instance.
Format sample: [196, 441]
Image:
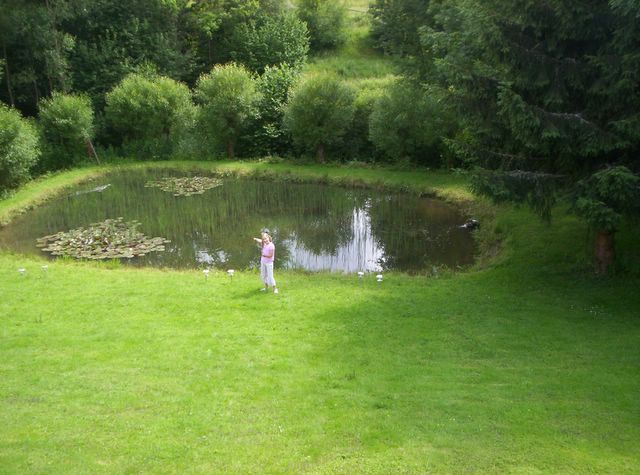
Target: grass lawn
[528, 365]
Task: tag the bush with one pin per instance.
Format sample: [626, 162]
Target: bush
[19, 149]
[325, 20]
[408, 123]
[358, 146]
[149, 115]
[228, 99]
[319, 113]
[266, 135]
[270, 41]
[67, 127]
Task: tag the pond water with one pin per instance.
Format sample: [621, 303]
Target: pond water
[315, 227]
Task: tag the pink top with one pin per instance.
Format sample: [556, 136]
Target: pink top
[268, 253]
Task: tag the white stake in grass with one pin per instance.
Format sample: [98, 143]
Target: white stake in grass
[230, 272]
[206, 274]
[22, 271]
[379, 277]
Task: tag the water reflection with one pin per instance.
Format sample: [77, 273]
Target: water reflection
[315, 227]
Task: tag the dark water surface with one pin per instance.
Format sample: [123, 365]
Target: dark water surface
[315, 227]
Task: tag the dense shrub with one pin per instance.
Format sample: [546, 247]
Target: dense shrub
[357, 145]
[266, 134]
[67, 127]
[325, 20]
[319, 113]
[228, 99]
[19, 149]
[269, 41]
[151, 116]
[409, 123]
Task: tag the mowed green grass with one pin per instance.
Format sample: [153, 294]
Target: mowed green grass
[530, 365]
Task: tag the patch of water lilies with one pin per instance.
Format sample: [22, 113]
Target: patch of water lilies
[109, 239]
[185, 186]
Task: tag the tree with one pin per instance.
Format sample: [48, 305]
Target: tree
[603, 199]
[319, 112]
[115, 38]
[67, 127]
[407, 122]
[270, 41]
[149, 115]
[228, 99]
[396, 24]
[325, 20]
[35, 49]
[266, 134]
[541, 89]
[19, 149]
[207, 28]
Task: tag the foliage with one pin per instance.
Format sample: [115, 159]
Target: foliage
[228, 98]
[606, 196]
[408, 122]
[149, 115]
[67, 125]
[19, 149]
[538, 190]
[319, 112]
[537, 86]
[266, 135]
[114, 39]
[208, 26]
[85, 46]
[270, 41]
[396, 24]
[36, 51]
[358, 146]
[325, 20]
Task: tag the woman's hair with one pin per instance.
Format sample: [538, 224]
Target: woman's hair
[268, 235]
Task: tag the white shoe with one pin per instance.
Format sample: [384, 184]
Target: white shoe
[275, 291]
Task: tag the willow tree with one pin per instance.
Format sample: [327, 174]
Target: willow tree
[228, 98]
[319, 112]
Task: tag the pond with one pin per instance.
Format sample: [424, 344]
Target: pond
[315, 227]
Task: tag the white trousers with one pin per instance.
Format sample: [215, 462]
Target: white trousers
[266, 272]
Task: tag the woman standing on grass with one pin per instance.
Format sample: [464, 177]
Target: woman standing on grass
[266, 261]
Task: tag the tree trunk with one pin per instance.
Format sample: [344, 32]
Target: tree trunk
[91, 151]
[320, 155]
[8, 74]
[230, 147]
[604, 252]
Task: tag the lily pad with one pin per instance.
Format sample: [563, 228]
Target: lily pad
[110, 239]
[185, 186]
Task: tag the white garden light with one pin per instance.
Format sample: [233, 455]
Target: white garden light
[22, 271]
[45, 268]
[379, 277]
[206, 274]
[230, 272]
[360, 274]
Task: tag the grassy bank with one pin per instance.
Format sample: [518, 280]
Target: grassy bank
[529, 366]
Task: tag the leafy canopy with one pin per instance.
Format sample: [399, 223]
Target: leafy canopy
[19, 149]
[319, 112]
[228, 99]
